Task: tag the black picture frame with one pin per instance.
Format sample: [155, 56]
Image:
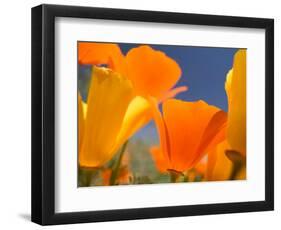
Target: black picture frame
[43, 114]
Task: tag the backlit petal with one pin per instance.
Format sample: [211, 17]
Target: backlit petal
[214, 134]
[81, 121]
[219, 166]
[159, 159]
[151, 72]
[186, 123]
[108, 100]
[137, 115]
[84, 109]
[161, 128]
[236, 92]
[94, 53]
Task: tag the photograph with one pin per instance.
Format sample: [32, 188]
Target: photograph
[160, 113]
[140, 114]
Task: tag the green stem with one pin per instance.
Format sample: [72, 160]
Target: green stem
[174, 175]
[86, 175]
[238, 162]
[115, 170]
[185, 178]
[88, 178]
[237, 166]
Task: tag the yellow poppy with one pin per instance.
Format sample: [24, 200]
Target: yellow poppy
[235, 87]
[219, 165]
[108, 100]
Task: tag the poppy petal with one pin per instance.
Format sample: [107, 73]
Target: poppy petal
[236, 92]
[81, 121]
[109, 94]
[173, 92]
[161, 128]
[151, 72]
[219, 166]
[158, 157]
[214, 134]
[137, 115]
[93, 53]
[186, 123]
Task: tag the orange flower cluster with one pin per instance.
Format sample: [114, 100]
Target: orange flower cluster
[125, 94]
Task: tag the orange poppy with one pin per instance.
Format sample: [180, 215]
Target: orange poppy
[187, 130]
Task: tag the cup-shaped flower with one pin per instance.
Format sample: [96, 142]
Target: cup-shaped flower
[109, 97]
[235, 87]
[187, 130]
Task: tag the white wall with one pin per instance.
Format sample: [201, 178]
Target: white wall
[15, 113]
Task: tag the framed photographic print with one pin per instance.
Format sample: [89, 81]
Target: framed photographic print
[142, 114]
